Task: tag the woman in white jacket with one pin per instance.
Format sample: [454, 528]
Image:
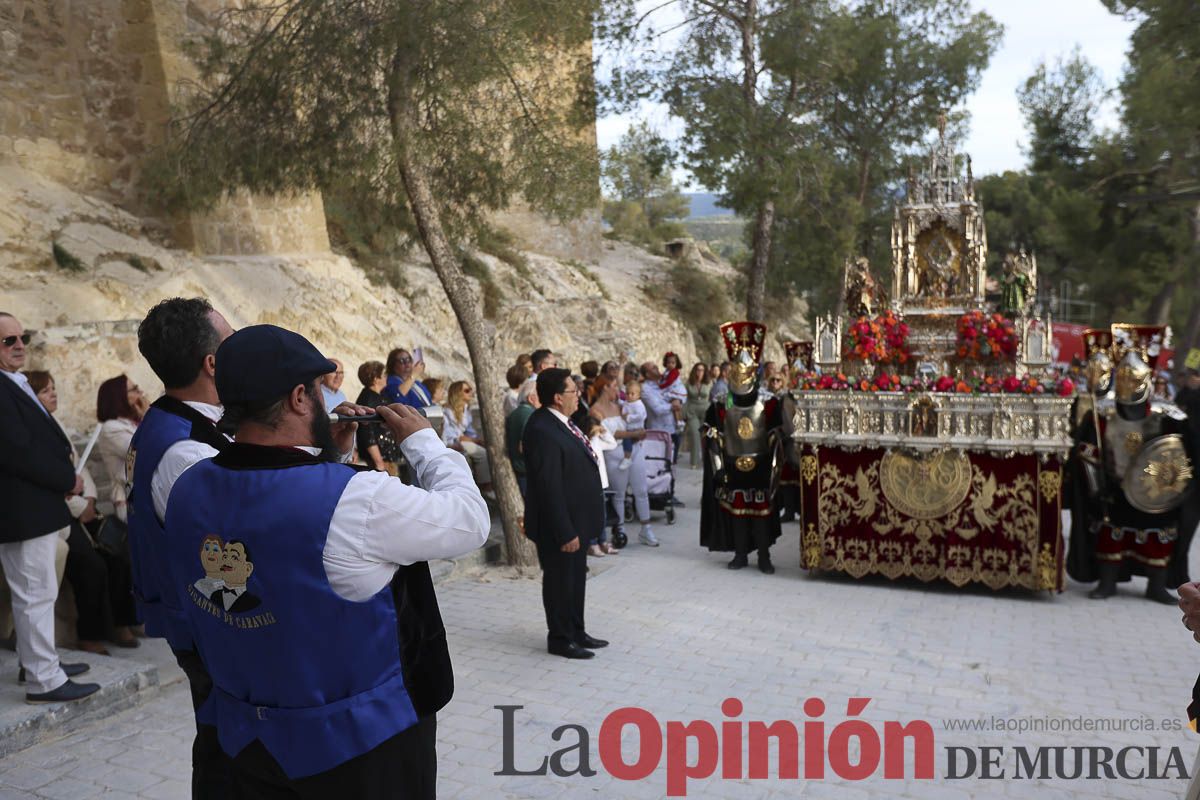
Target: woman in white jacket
[120, 406]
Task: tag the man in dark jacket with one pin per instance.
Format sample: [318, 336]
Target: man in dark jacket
[564, 506]
[35, 474]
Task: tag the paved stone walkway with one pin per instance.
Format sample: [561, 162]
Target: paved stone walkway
[687, 633]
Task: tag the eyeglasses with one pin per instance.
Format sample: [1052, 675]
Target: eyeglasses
[570, 391]
[339, 372]
[133, 390]
[405, 360]
[9, 341]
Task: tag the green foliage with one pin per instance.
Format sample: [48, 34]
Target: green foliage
[590, 274]
[643, 199]
[376, 236]
[725, 236]
[138, 263]
[699, 300]
[65, 259]
[1060, 106]
[308, 95]
[502, 244]
[816, 116]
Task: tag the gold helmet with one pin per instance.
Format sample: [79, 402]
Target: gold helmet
[1137, 350]
[743, 344]
[1134, 379]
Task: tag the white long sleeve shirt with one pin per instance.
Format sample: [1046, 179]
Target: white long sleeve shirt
[178, 458]
[379, 524]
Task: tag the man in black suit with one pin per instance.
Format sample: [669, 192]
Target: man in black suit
[564, 506]
[36, 475]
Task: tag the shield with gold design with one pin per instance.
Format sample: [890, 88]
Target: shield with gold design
[1159, 476]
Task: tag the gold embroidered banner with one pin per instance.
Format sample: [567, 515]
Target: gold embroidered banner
[962, 517]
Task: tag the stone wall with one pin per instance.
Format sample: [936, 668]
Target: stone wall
[82, 91]
[85, 94]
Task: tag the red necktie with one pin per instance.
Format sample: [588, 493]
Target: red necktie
[579, 435]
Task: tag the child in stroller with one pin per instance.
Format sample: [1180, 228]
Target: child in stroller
[659, 455]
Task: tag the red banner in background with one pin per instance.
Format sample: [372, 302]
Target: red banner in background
[1068, 343]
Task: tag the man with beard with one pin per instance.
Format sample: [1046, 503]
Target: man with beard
[743, 457]
[329, 683]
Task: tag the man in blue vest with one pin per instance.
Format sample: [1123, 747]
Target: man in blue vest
[328, 678]
[179, 338]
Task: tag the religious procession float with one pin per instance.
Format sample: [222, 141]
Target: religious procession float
[930, 434]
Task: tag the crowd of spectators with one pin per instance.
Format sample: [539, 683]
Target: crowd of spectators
[619, 401]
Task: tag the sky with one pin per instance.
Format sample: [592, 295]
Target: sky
[1034, 30]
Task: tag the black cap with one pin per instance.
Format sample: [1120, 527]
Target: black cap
[259, 365]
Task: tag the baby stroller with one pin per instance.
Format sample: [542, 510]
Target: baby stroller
[660, 475]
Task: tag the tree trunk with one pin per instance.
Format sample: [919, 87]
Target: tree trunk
[756, 278]
[764, 218]
[462, 298]
[1160, 308]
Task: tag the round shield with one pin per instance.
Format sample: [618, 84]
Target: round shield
[1159, 476]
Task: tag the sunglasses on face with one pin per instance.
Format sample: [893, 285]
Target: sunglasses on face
[9, 341]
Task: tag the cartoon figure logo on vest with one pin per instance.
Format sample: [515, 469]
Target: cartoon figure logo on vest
[210, 559]
[224, 581]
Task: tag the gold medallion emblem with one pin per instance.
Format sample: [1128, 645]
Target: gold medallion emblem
[745, 463]
[925, 487]
[745, 428]
[1133, 442]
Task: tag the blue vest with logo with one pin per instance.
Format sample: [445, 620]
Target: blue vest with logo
[316, 678]
[167, 422]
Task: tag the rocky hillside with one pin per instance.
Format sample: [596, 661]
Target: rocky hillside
[81, 273]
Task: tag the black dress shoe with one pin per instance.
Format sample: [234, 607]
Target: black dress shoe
[66, 693]
[70, 669]
[571, 650]
[591, 642]
[738, 562]
[766, 567]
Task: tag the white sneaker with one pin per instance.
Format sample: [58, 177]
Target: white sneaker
[646, 536]
[625, 462]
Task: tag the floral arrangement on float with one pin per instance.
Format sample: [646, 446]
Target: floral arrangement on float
[865, 341]
[895, 337]
[882, 340]
[976, 384]
[986, 337]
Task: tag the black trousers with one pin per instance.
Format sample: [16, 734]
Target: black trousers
[103, 587]
[564, 578]
[404, 767]
[212, 770]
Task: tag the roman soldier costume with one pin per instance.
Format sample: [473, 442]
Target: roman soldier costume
[743, 448]
[1134, 469]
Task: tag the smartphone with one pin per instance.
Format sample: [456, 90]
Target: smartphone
[418, 355]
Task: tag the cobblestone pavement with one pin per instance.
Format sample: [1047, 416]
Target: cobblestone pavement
[687, 633]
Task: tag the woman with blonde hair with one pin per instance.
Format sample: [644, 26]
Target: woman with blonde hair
[458, 432]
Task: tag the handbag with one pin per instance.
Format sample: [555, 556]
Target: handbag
[112, 536]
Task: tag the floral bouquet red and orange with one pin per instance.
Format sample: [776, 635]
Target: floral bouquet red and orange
[986, 337]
